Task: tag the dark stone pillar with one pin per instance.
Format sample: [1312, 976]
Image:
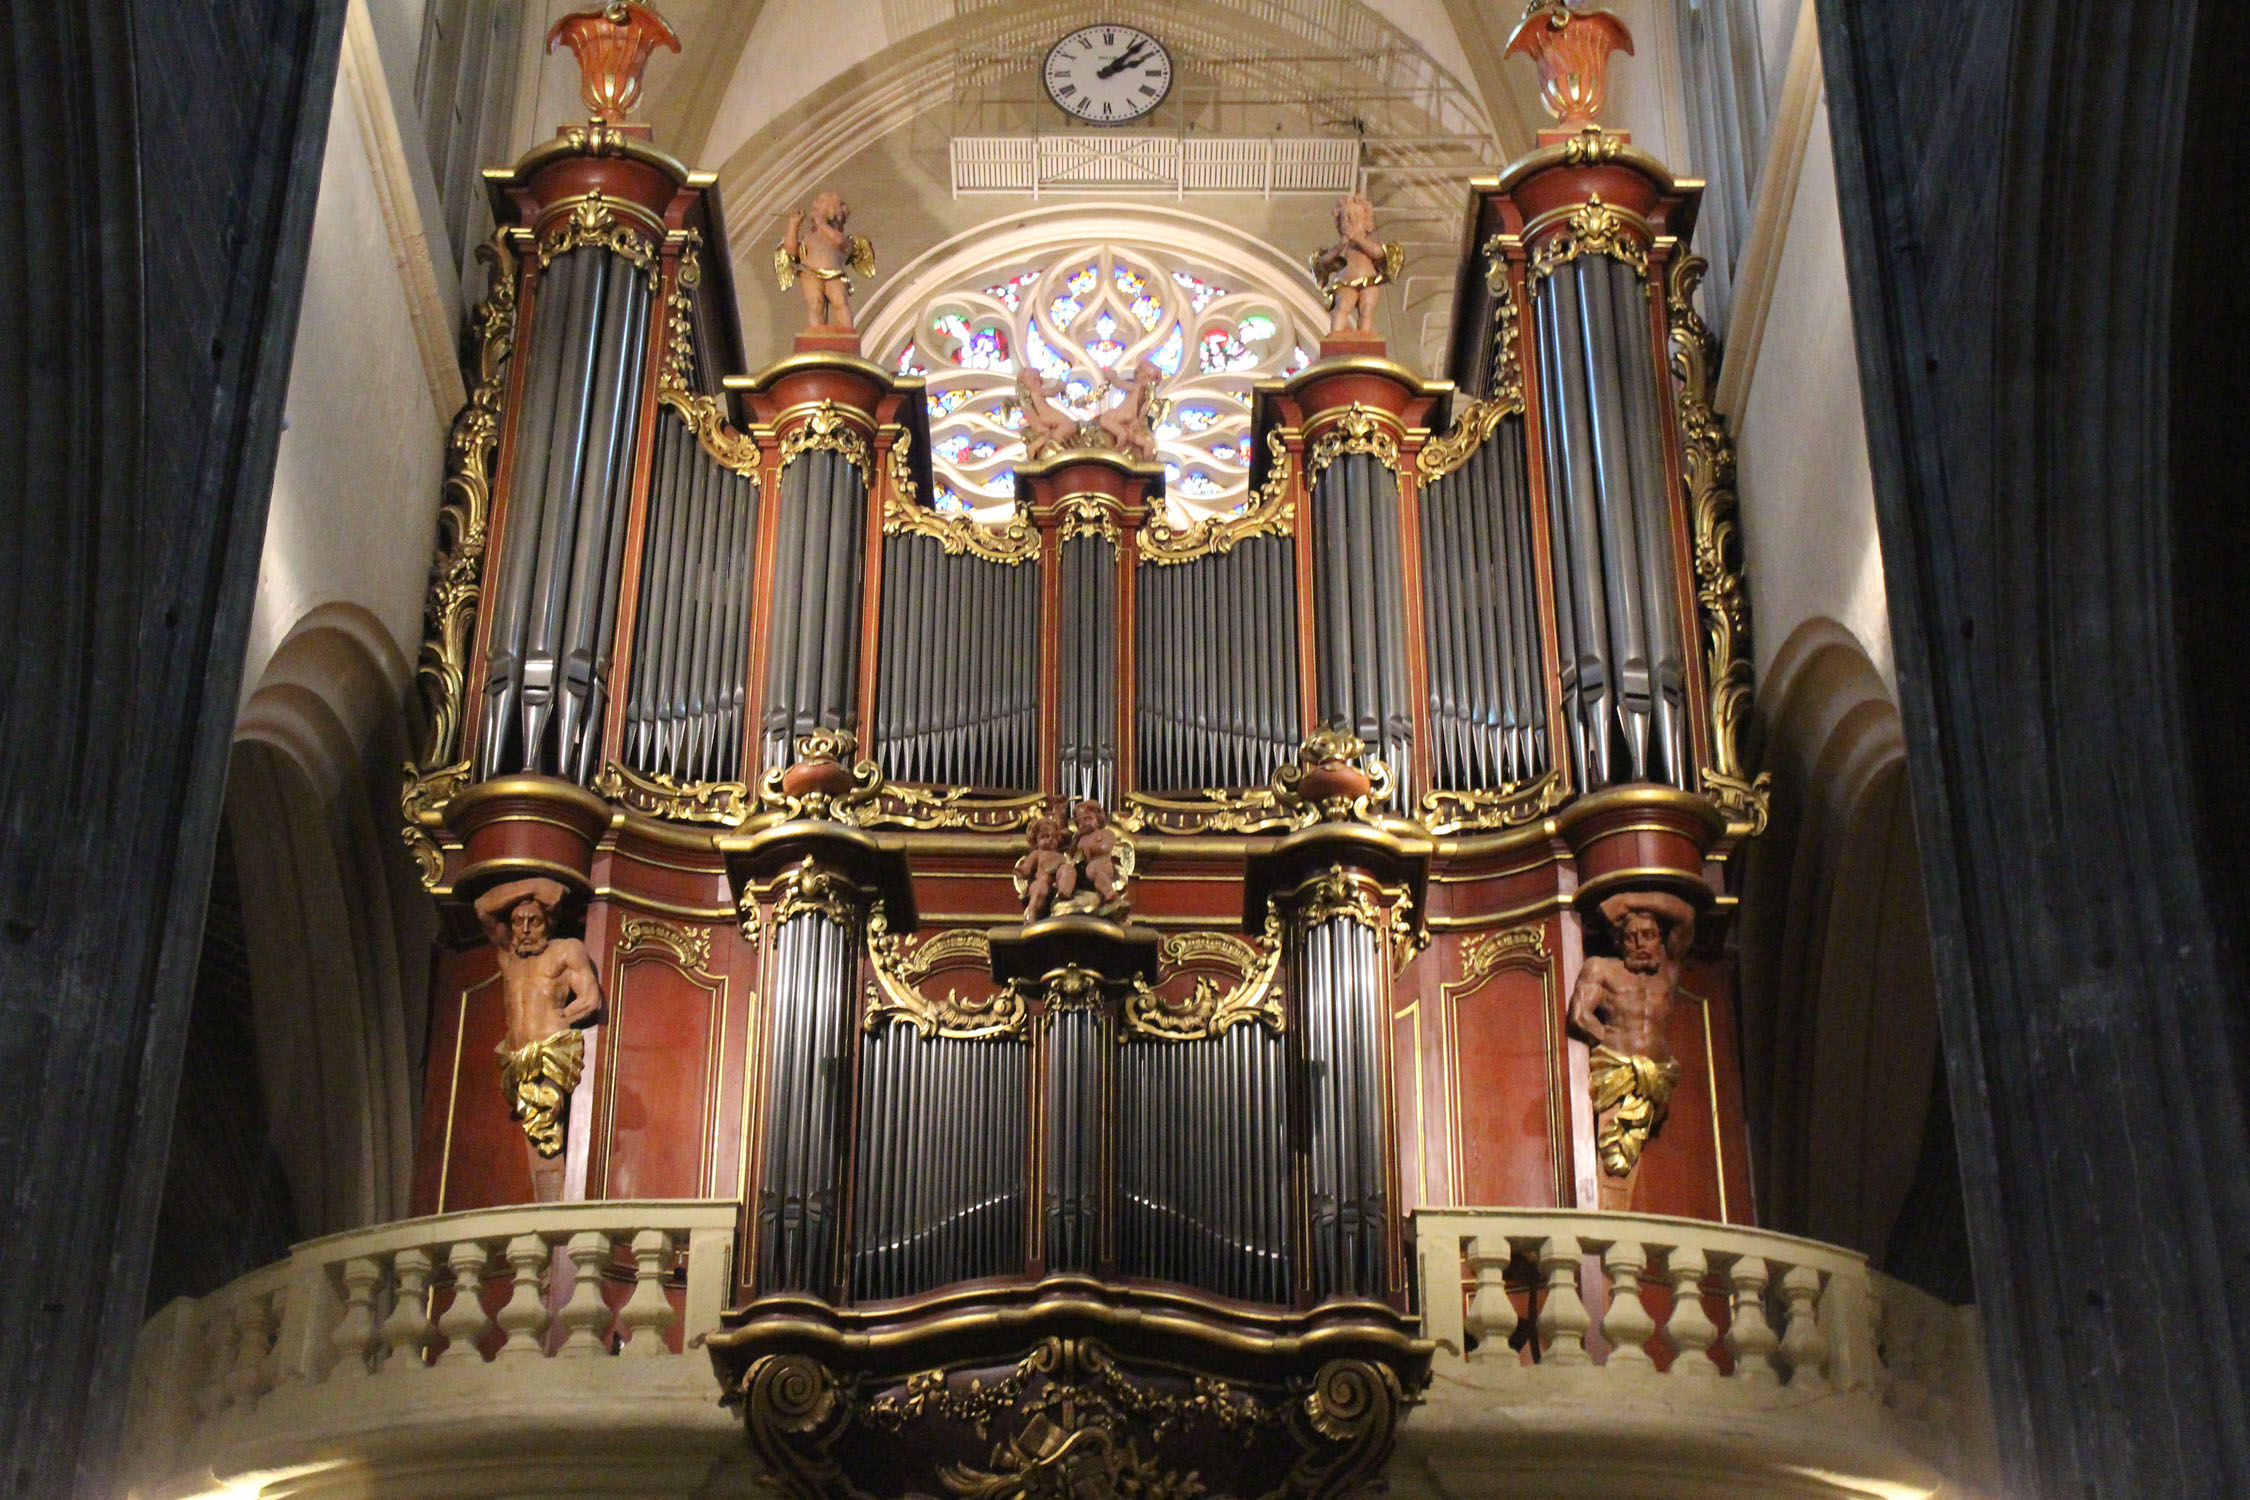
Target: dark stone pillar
[2020, 182]
[163, 157]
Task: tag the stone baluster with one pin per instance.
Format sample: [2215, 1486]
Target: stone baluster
[525, 1316]
[354, 1338]
[648, 1312]
[217, 1392]
[1492, 1317]
[465, 1322]
[1804, 1344]
[1749, 1337]
[1900, 1379]
[1689, 1330]
[407, 1329]
[251, 1375]
[585, 1315]
[1626, 1323]
[1563, 1319]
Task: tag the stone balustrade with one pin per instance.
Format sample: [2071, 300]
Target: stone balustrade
[1759, 1354]
[387, 1345]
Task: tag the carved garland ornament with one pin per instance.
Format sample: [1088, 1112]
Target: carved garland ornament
[1012, 541]
[1341, 894]
[825, 427]
[808, 889]
[894, 994]
[950, 807]
[1088, 515]
[1269, 512]
[1594, 228]
[1218, 811]
[592, 221]
[457, 570]
[1361, 429]
[1213, 1011]
[1723, 600]
[689, 947]
[725, 803]
[1445, 812]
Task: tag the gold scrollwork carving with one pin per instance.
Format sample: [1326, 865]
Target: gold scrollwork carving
[706, 417]
[1444, 812]
[1268, 512]
[690, 947]
[1324, 752]
[809, 889]
[1353, 897]
[895, 993]
[950, 807]
[1361, 429]
[1507, 319]
[1218, 811]
[1593, 228]
[593, 221]
[1353, 1404]
[660, 796]
[1590, 145]
[1485, 953]
[1473, 424]
[457, 570]
[1012, 541]
[1088, 515]
[826, 427]
[1212, 1011]
[793, 1410]
[848, 805]
[1724, 602]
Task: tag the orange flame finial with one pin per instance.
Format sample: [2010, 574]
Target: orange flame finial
[612, 43]
[1572, 49]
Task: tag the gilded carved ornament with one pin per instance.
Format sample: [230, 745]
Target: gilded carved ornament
[1213, 1010]
[809, 889]
[1593, 228]
[594, 221]
[457, 570]
[1446, 812]
[1012, 541]
[1724, 602]
[1361, 429]
[1219, 810]
[705, 414]
[1326, 783]
[659, 796]
[1088, 515]
[1485, 953]
[1268, 512]
[1474, 424]
[844, 797]
[895, 992]
[826, 427]
[690, 947]
[1348, 895]
[950, 807]
[612, 43]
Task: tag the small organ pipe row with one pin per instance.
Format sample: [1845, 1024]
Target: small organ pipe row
[683, 715]
[1623, 669]
[554, 604]
[812, 628]
[957, 667]
[1359, 610]
[1487, 692]
[1078, 1112]
[1086, 703]
[1215, 691]
[940, 1162]
[1341, 964]
[815, 967]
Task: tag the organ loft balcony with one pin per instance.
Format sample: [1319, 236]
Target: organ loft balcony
[1101, 994]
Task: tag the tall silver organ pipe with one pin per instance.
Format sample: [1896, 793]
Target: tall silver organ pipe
[940, 1160]
[1480, 613]
[563, 541]
[1623, 658]
[812, 641]
[1086, 706]
[1216, 700]
[1340, 965]
[683, 712]
[957, 667]
[808, 1104]
[1359, 611]
[1078, 1103]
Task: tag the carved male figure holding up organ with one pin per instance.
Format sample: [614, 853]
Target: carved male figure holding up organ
[1623, 1006]
[817, 256]
[1352, 271]
[551, 993]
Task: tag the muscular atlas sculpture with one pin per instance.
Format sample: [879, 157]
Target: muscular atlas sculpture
[551, 994]
[1622, 1006]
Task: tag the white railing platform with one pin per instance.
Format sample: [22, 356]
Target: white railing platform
[1106, 161]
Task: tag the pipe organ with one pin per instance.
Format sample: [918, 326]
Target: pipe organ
[1395, 755]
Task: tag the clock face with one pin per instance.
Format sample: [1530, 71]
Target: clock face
[1108, 74]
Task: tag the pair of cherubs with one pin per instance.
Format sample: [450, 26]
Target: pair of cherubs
[1126, 427]
[1082, 878]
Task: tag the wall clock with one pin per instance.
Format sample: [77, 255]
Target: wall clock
[1108, 74]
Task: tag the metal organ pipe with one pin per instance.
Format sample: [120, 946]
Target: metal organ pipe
[1360, 609]
[957, 668]
[1225, 721]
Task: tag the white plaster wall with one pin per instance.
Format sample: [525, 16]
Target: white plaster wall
[1808, 500]
[356, 484]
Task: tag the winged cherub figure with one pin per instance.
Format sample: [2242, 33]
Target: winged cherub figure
[817, 257]
[1129, 424]
[1353, 271]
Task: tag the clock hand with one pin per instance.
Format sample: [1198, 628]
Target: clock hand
[1121, 62]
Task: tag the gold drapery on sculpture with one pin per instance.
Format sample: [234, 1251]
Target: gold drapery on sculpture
[539, 1077]
[1637, 1089]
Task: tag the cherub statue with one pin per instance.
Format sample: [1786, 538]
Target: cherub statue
[1047, 428]
[1622, 1005]
[1352, 271]
[1045, 875]
[1129, 425]
[1094, 849]
[815, 255]
[550, 991]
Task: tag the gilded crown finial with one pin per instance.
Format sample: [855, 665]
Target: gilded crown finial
[612, 43]
[1571, 48]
